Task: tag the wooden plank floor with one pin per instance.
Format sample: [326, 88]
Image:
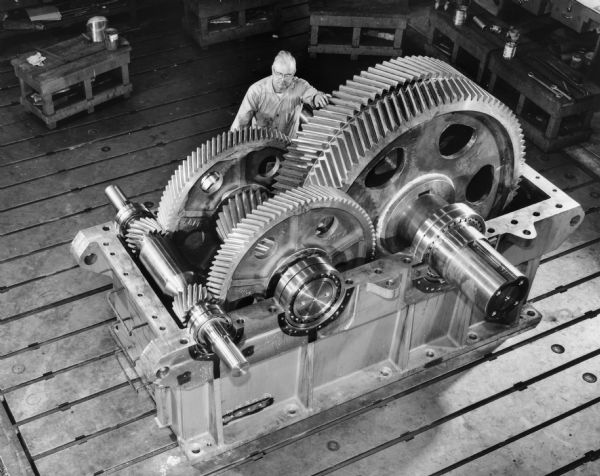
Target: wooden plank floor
[72, 406]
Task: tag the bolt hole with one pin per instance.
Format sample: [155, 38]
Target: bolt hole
[272, 309]
[557, 348]
[125, 274]
[196, 450]
[430, 353]
[536, 214]
[349, 281]
[575, 220]
[105, 148]
[531, 313]
[558, 205]
[241, 320]
[162, 372]
[90, 259]
[183, 341]
[333, 445]
[105, 228]
[378, 270]
[105, 244]
[491, 230]
[140, 294]
[514, 222]
[472, 336]
[162, 328]
[407, 260]
[154, 316]
[148, 204]
[589, 377]
[112, 254]
[526, 232]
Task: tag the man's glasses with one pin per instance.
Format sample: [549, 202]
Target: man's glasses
[279, 75]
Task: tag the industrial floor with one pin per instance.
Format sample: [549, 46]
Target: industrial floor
[70, 405]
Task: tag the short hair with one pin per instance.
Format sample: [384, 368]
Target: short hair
[285, 58]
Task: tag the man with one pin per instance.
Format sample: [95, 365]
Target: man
[276, 101]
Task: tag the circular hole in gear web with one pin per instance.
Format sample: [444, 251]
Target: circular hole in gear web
[455, 139]
[481, 184]
[385, 168]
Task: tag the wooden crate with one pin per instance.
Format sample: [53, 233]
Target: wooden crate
[241, 18]
[355, 18]
[549, 122]
[76, 76]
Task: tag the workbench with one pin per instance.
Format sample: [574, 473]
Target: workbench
[469, 46]
[551, 120]
[215, 22]
[353, 23]
[76, 76]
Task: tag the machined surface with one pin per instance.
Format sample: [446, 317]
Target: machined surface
[311, 292]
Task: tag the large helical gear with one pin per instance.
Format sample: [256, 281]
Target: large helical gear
[381, 79]
[227, 165]
[220, 167]
[441, 126]
[283, 229]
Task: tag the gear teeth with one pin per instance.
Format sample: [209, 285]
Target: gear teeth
[251, 231]
[356, 95]
[138, 229]
[200, 161]
[186, 299]
[237, 208]
[339, 158]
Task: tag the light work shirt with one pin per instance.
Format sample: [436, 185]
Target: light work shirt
[263, 107]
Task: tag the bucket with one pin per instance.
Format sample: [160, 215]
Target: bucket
[111, 39]
[95, 28]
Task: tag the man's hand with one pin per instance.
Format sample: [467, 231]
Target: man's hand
[321, 100]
